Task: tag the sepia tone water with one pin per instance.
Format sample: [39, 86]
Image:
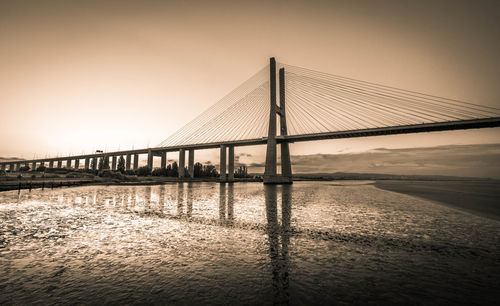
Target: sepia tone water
[244, 243]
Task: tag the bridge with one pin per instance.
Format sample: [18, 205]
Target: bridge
[309, 105]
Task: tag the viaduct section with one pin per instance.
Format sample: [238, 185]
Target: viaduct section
[90, 161]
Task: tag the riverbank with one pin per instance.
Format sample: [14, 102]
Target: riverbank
[477, 197]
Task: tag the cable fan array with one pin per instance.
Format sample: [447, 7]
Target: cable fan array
[318, 102]
[242, 114]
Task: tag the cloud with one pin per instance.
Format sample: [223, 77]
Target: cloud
[10, 158]
[456, 160]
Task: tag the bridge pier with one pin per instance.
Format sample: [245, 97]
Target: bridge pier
[77, 164]
[270, 173]
[128, 160]
[182, 162]
[222, 155]
[113, 163]
[87, 163]
[51, 164]
[286, 165]
[59, 164]
[105, 165]
[150, 159]
[191, 163]
[68, 163]
[94, 163]
[164, 159]
[33, 166]
[136, 161]
[230, 166]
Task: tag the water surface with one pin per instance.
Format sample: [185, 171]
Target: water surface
[245, 243]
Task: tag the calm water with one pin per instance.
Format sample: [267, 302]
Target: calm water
[191, 243]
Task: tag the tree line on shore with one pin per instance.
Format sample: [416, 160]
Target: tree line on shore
[171, 170]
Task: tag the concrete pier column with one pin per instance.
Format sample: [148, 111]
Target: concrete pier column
[222, 154]
[113, 163]
[128, 161]
[18, 166]
[51, 164]
[68, 163]
[87, 163]
[11, 167]
[270, 173]
[230, 164]
[59, 164]
[106, 162]
[286, 165]
[164, 160]
[33, 166]
[182, 162]
[150, 159]
[191, 163]
[94, 163]
[77, 164]
[136, 161]
[270, 170]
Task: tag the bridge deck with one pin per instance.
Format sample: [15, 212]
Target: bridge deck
[404, 129]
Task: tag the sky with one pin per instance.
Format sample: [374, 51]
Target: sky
[77, 76]
[453, 160]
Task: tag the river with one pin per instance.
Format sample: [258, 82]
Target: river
[243, 243]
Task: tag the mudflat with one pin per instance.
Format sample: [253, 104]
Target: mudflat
[477, 197]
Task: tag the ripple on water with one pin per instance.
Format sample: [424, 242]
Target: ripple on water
[243, 243]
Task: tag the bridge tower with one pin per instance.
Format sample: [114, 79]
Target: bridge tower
[270, 173]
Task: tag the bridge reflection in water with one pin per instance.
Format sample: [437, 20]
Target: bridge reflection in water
[279, 252]
[209, 244]
[157, 201]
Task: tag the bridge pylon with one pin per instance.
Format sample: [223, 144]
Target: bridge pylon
[270, 174]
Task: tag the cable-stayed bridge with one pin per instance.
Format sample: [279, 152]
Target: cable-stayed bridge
[307, 105]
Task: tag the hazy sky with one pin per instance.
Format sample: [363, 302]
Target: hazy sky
[83, 75]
